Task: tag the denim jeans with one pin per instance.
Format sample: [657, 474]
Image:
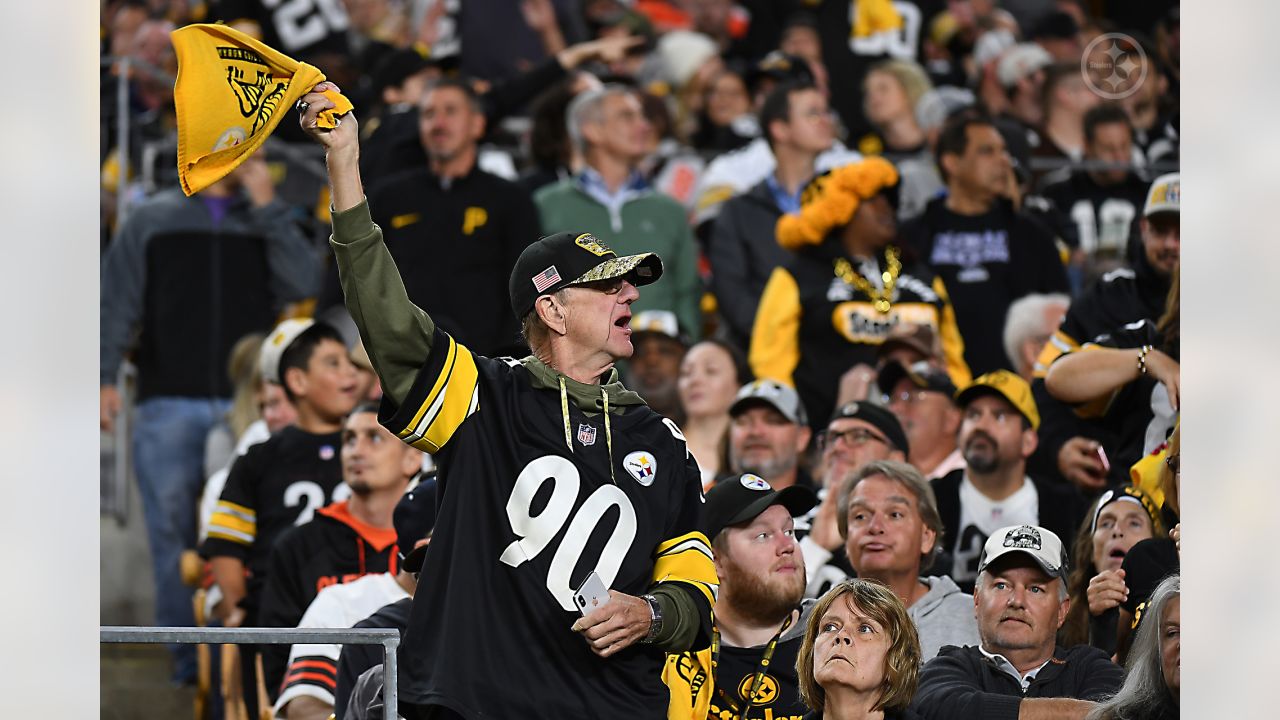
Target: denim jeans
[168, 458]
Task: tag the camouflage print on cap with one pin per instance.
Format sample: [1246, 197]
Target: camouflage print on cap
[618, 267]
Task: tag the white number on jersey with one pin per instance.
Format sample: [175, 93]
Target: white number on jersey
[536, 532]
[303, 22]
[311, 496]
[901, 44]
[1108, 230]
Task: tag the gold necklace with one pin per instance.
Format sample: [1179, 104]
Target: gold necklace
[881, 300]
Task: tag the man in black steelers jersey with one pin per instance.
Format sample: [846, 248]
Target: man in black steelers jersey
[549, 470]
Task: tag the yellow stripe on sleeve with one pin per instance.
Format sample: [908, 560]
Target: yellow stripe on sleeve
[452, 399]
[688, 559]
[220, 520]
[1058, 344]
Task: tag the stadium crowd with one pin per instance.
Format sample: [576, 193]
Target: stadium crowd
[915, 327]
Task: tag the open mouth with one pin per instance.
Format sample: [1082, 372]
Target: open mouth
[623, 322]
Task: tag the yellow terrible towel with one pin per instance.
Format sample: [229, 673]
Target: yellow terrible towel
[231, 93]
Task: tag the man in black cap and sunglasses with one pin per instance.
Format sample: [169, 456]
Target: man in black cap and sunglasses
[551, 474]
[750, 668]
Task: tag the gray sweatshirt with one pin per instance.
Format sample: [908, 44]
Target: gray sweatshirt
[944, 616]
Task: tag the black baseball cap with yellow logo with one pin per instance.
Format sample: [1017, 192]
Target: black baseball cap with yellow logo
[567, 258]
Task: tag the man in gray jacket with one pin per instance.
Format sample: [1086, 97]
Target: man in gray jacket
[889, 519]
[743, 250]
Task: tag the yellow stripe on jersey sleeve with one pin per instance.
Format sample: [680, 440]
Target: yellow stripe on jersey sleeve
[1058, 344]
[775, 335]
[233, 522]
[687, 559]
[452, 399]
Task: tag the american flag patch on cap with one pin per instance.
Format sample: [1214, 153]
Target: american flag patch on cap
[546, 278]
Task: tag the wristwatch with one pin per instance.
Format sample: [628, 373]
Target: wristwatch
[655, 618]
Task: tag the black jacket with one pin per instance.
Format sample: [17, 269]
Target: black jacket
[179, 289]
[743, 252]
[455, 246]
[355, 659]
[986, 262]
[961, 683]
[333, 548]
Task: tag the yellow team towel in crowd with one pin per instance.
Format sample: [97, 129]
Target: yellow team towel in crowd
[231, 92]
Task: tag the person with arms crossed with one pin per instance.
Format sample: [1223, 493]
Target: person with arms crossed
[1018, 671]
[559, 425]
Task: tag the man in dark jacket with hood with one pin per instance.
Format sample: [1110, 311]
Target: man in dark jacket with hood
[1068, 444]
[1017, 672]
[616, 491]
[743, 248]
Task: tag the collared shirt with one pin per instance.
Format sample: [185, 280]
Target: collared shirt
[952, 462]
[1003, 664]
[787, 202]
[593, 184]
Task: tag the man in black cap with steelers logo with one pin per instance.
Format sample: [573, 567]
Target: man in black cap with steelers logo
[549, 470]
[750, 668]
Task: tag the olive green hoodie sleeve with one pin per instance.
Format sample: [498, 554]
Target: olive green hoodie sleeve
[396, 333]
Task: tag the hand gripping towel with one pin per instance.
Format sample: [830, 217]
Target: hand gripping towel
[231, 92]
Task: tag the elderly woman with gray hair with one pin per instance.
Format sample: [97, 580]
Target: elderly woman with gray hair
[860, 659]
[1152, 685]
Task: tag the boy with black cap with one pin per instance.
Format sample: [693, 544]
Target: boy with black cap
[557, 424]
[997, 435]
[760, 618]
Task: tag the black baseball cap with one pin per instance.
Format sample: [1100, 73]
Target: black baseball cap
[413, 518]
[567, 258]
[398, 65]
[740, 499]
[779, 67]
[878, 417]
[921, 374]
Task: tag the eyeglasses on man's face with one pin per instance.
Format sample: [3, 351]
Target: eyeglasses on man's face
[855, 437]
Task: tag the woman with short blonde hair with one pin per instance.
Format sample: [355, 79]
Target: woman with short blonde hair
[861, 656]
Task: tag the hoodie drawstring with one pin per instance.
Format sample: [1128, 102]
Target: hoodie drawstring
[608, 434]
[568, 432]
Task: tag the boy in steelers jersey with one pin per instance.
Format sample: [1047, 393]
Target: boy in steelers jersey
[549, 469]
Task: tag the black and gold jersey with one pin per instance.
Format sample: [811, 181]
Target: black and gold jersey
[813, 323]
[535, 494]
[276, 485]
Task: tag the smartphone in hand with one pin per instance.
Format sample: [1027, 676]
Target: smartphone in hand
[591, 595]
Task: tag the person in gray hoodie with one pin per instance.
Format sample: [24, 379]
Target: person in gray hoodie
[889, 519]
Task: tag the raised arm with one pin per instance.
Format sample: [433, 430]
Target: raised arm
[397, 334]
[1095, 372]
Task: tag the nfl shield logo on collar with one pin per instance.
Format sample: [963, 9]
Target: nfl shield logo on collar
[586, 435]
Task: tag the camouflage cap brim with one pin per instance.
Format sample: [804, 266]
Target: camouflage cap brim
[644, 268]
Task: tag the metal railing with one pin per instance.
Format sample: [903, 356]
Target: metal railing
[388, 638]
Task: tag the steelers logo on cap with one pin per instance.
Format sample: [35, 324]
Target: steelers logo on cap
[754, 482]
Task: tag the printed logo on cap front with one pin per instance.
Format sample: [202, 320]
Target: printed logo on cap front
[592, 244]
[642, 466]
[754, 482]
[1023, 536]
[546, 278]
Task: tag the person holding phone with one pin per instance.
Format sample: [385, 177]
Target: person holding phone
[548, 468]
